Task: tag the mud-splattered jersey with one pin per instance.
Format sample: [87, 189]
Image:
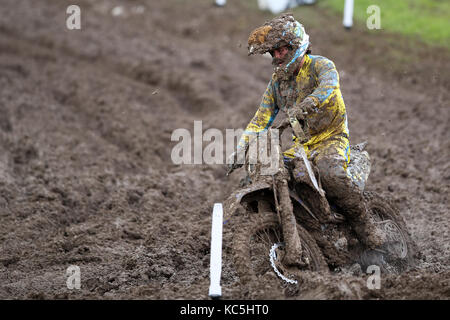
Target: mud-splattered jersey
[319, 79]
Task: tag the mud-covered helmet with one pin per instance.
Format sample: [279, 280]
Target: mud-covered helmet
[280, 31]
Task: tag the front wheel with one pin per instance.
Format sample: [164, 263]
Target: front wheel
[260, 235]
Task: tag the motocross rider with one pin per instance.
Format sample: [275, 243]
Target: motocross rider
[306, 87]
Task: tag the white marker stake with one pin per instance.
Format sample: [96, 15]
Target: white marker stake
[221, 3]
[215, 291]
[348, 14]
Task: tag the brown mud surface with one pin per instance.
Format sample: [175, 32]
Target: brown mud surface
[86, 118]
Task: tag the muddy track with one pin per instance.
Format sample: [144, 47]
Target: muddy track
[85, 139]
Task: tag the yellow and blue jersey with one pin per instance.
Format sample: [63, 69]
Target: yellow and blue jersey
[318, 79]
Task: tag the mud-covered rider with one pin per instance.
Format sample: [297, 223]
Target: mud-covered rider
[306, 87]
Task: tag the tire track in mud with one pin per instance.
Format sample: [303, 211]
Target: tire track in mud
[81, 108]
[65, 99]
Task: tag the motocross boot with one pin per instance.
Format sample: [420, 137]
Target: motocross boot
[361, 222]
[348, 197]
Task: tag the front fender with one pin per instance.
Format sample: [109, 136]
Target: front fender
[234, 200]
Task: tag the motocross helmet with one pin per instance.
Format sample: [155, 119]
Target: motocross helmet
[281, 31]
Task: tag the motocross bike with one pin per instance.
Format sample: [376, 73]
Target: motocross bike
[284, 225]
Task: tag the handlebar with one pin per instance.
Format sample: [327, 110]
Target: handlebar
[281, 127]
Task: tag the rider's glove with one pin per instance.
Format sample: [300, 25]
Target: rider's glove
[235, 160]
[307, 106]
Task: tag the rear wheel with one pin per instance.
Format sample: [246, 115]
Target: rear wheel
[260, 234]
[399, 250]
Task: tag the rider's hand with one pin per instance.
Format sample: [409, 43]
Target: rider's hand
[307, 106]
[235, 160]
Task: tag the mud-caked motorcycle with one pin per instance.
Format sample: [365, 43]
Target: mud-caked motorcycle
[284, 225]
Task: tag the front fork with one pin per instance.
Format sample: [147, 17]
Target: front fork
[289, 226]
[285, 212]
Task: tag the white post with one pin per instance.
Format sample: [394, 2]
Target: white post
[220, 3]
[348, 14]
[215, 291]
